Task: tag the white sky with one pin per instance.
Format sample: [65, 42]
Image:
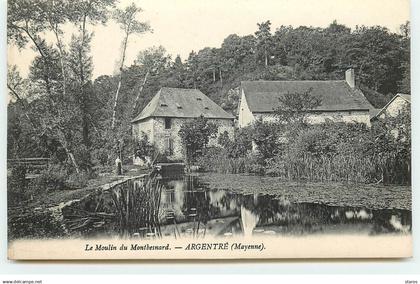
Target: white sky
[185, 25]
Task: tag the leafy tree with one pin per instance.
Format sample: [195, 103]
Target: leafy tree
[264, 41]
[266, 137]
[240, 145]
[56, 113]
[294, 107]
[143, 147]
[405, 85]
[153, 61]
[195, 136]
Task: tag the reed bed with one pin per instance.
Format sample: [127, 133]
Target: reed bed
[385, 168]
[226, 165]
[137, 205]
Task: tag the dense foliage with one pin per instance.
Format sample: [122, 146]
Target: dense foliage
[328, 151]
[195, 136]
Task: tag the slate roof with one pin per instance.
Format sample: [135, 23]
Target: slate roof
[263, 96]
[182, 103]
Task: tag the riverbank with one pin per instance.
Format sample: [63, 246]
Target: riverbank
[335, 194]
[47, 199]
[43, 217]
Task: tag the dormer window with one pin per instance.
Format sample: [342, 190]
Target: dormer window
[163, 105]
[198, 99]
[206, 107]
[178, 106]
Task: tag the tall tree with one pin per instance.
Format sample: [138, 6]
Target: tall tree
[25, 24]
[54, 13]
[127, 19]
[264, 42]
[404, 85]
[81, 14]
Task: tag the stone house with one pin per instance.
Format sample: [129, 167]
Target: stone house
[394, 107]
[340, 100]
[163, 116]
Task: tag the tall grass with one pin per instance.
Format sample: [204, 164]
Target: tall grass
[386, 168]
[137, 206]
[220, 163]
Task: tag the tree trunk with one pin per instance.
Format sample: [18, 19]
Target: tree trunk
[61, 53]
[214, 75]
[72, 159]
[221, 78]
[55, 30]
[114, 111]
[139, 92]
[83, 99]
[266, 58]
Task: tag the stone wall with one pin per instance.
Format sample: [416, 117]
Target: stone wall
[245, 115]
[168, 140]
[321, 117]
[145, 126]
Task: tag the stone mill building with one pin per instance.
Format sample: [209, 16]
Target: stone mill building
[163, 116]
[341, 100]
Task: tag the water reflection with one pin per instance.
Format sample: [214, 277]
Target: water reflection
[188, 208]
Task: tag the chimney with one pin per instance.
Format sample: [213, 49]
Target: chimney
[350, 78]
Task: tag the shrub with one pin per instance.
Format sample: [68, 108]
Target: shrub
[266, 136]
[240, 146]
[16, 184]
[100, 156]
[195, 136]
[57, 177]
[342, 152]
[216, 159]
[143, 147]
[77, 180]
[52, 178]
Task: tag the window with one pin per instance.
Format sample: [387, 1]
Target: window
[169, 146]
[167, 123]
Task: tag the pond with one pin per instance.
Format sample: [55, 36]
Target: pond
[191, 206]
